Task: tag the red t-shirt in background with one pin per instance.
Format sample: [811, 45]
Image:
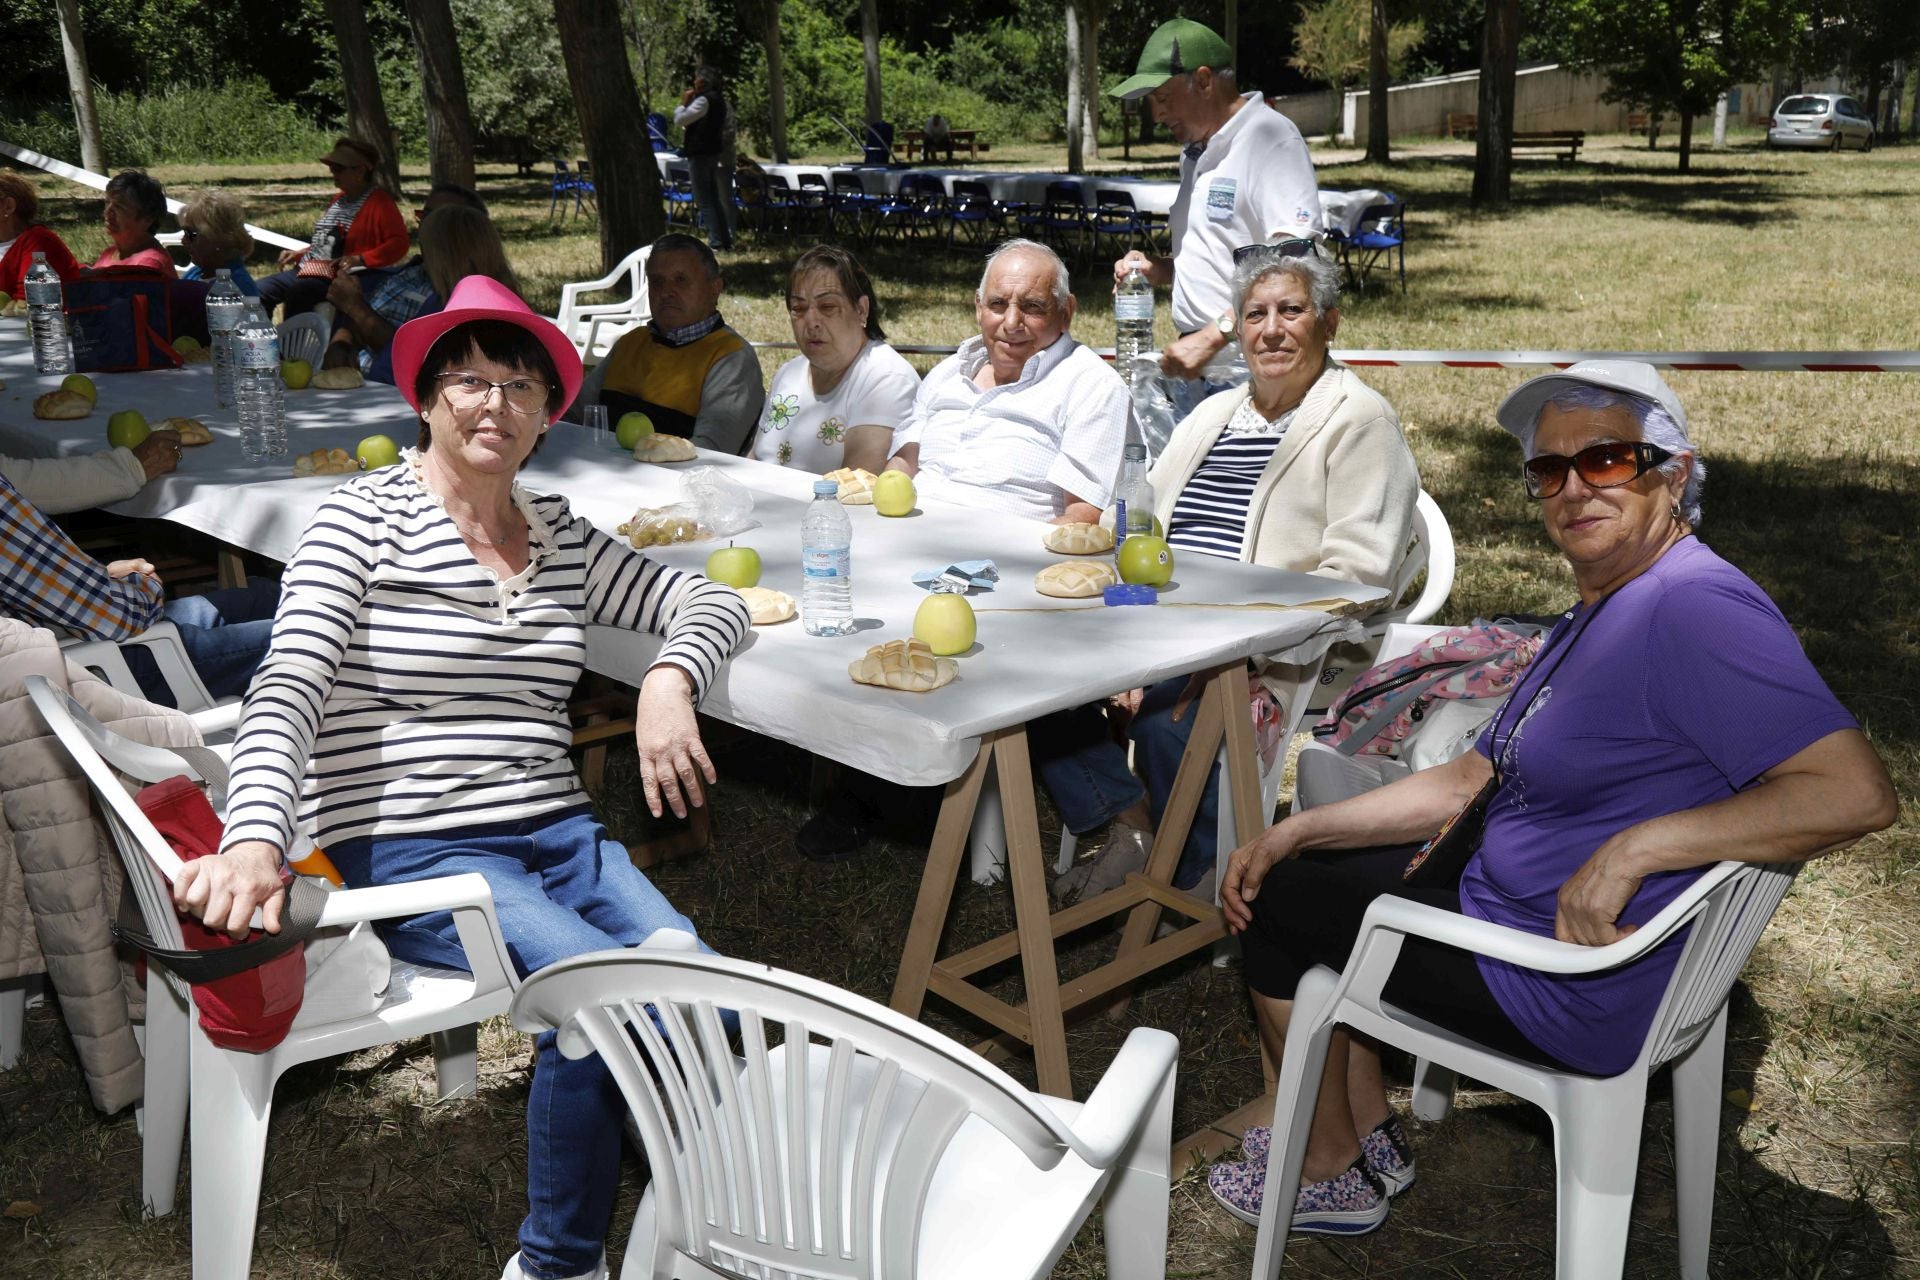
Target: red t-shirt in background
[19, 260]
[152, 256]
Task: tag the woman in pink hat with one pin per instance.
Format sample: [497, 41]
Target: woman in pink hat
[412, 710]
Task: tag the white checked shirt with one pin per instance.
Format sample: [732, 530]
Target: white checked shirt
[1060, 428]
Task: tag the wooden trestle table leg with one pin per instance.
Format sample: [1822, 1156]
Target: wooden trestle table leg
[936, 884]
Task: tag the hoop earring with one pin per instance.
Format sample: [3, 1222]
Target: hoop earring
[1674, 511]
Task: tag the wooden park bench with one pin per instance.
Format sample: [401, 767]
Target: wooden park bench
[909, 141]
[1462, 124]
[1643, 124]
[1563, 144]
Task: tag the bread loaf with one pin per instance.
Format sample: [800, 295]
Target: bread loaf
[767, 606]
[338, 380]
[1075, 579]
[192, 430]
[1078, 539]
[856, 485]
[58, 406]
[907, 665]
[326, 462]
[660, 447]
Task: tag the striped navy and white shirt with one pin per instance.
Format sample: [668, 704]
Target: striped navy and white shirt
[1210, 514]
[407, 690]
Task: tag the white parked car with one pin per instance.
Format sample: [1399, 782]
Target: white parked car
[1830, 120]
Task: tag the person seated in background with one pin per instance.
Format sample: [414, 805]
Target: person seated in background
[442, 195]
[22, 236]
[1304, 468]
[1670, 721]
[455, 242]
[837, 403]
[360, 227]
[686, 370]
[47, 581]
[61, 485]
[135, 206]
[1022, 418]
[213, 231]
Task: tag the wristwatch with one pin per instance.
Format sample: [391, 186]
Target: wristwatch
[1224, 323]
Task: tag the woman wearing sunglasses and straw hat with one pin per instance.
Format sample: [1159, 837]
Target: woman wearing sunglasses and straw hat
[1670, 721]
[360, 227]
[1304, 468]
[412, 710]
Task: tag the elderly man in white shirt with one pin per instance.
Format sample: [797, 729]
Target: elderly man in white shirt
[1022, 418]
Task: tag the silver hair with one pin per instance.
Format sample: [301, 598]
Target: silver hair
[1657, 427]
[1061, 284]
[1317, 271]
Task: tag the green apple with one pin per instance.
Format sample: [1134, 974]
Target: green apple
[630, 428]
[945, 621]
[126, 429]
[738, 567]
[185, 343]
[81, 385]
[296, 374]
[1146, 560]
[893, 493]
[375, 452]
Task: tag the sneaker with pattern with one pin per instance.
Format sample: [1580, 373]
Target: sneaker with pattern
[1351, 1204]
[1387, 1151]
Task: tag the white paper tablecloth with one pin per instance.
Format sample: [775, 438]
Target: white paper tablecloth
[783, 682]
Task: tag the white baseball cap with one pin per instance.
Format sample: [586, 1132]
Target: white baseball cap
[1520, 411]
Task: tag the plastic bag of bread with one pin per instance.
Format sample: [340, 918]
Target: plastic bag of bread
[192, 430]
[1079, 539]
[1075, 579]
[907, 665]
[722, 505]
[58, 406]
[326, 462]
[337, 380]
[856, 485]
[658, 446]
[664, 526]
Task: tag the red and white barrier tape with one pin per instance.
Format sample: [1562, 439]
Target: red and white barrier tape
[1684, 361]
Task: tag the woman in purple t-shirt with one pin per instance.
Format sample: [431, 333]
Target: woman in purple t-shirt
[1670, 722]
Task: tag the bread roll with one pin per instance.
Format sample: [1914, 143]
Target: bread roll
[856, 485]
[907, 665]
[59, 406]
[657, 446]
[338, 380]
[326, 462]
[1078, 539]
[767, 606]
[1075, 579]
[192, 430]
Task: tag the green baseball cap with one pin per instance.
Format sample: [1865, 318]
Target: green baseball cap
[1175, 49]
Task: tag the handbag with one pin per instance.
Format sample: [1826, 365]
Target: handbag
[249, 991]
[1438, 863]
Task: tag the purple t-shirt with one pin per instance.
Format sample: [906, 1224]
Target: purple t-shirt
[1688, 685]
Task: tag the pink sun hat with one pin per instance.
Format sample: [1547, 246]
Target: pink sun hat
[481, 298]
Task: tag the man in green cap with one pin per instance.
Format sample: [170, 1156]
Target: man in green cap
[1245, 178]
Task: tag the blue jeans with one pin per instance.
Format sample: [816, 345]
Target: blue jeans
[561, 888]
[225, 634]
[1086, 772]
[713, 193]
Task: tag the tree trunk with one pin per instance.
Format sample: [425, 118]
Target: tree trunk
[73, 42]
[1686, 140]
[1720, 123]
[624, 174]
[870, 46]
[1493, 141]
[444, 85]
[1090, 80]
[1076, 70]
[776, 82]
[1232, 32]
[1377, 86]
[360, 78]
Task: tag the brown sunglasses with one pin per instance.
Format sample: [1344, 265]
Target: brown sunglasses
[1603, 466]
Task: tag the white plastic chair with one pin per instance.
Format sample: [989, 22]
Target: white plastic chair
[583, 321]
[1596, 1120]
[304, 337]
[214, 720]
[231, 1090]
[911, 1156]
[1431, 549]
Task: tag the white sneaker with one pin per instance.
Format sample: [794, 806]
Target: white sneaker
[1124, 852]
[514, 1271]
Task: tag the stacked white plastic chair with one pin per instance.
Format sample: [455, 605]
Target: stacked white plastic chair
[595, 326]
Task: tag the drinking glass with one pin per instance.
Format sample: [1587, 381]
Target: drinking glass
[598, 433]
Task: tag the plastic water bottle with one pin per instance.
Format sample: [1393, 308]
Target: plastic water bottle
[1153, 411]
[47, 318]
[1133, 508]
[826, 547]
[1132, 321]
[225, 305]
[257, 387]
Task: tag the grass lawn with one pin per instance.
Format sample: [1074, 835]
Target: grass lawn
[1813, 488]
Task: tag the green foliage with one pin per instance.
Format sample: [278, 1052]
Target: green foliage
[180, 124]
[517, 86]
[1332, 39]
[1678, 56]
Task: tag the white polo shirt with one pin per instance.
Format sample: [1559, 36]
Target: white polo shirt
[1060, 428]
[1252, 182]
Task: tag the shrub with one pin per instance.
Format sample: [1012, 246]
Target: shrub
[236, 122]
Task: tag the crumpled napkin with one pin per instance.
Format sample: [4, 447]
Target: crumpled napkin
[961, 577]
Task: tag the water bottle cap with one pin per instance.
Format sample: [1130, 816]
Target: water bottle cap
[39, 259]
[826, 488]
[224, 273]
[1136, 453]
[1130, 593]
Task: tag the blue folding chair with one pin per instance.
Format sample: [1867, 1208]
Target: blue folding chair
[851, 207]
[678, 192]
[1115, 218]
[1380, 239]
[565, 184]
[973, 208]
[1061, 219]
[657, 132]
[915, 210]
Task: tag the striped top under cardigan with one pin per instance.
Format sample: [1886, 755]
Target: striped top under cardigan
[407, 690]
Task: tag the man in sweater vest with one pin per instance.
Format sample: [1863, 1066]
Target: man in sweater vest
[687, 370]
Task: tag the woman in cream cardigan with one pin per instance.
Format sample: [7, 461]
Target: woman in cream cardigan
[1304, 468]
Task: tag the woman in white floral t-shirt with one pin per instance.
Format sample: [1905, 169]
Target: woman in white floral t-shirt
[837, 403]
